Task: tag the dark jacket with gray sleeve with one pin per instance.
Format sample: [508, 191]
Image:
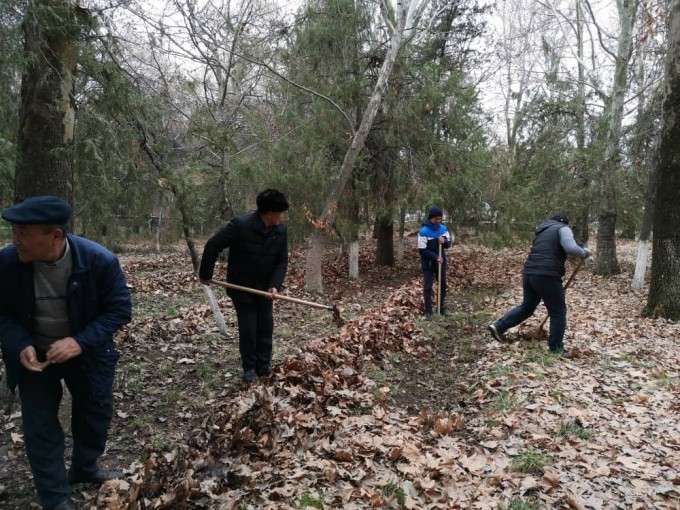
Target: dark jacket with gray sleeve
[553, 241]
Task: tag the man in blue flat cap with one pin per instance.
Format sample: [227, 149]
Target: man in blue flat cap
[62, 298]
[432, 235]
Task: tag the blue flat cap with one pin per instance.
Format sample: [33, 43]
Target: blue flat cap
[37, 210]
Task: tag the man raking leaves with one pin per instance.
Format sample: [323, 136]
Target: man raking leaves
[258, 259]
[542, 281]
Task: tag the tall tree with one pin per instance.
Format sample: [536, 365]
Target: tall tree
[399, 24]
[11, 65]
[664, 290]
[607, 262]
[47, 115]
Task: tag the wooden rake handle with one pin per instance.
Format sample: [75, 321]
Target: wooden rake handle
[439, 281]
[268, 294]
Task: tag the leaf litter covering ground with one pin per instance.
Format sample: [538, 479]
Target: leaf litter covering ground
[513, 424]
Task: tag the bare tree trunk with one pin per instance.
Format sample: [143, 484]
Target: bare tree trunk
[354, 259]
[400, 237]
[607, 263]
[384, 255]
[314, 261]
[664, 289]
[353, 238]
[47, 115]
[225, 208]
[646, 229]
[582, 216]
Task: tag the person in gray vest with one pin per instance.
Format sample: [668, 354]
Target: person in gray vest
[62, 297]
[542, 280]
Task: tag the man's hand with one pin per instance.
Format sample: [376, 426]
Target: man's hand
[442, 239]
[29, 360]
[272, 293]
[63, 350]
[588, 253]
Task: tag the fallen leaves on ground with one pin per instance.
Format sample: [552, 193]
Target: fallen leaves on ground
[600, 430]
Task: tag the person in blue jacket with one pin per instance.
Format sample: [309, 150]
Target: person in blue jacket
[542, 280]
[62, 297]
[431, 235]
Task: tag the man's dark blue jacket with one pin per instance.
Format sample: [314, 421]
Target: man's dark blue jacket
[98, 303]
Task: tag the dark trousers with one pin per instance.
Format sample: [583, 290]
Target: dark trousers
[255, 331]
[429, 277]
[40, 394]
[537, 288]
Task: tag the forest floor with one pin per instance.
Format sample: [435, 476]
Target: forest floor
[389, 410]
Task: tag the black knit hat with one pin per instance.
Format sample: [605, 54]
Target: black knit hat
[38, 210]
[434, 212]
[561, 217]
[271, 200]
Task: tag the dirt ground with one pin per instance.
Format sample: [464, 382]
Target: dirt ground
[175, 370]
[173, 363]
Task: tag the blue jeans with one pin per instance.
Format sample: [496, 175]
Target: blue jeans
[40, 394]
[537, 288]
[429, 277]
[255, 331]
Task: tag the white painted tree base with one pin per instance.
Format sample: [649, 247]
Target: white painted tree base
[354, 260]
[640, 266]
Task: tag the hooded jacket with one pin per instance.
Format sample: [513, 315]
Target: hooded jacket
[98, 303]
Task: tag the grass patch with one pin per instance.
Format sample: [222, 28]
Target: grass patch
[307, 500]
[493, 422]
[666, 382]
[520, 504]
[147, 305]
[358, 409]
[504, 401]
[573, 428]
[529, 461]
[540, 356]
[501, 370]
[375, 373]
[432, 329]
[392, 490]
[467, 348]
